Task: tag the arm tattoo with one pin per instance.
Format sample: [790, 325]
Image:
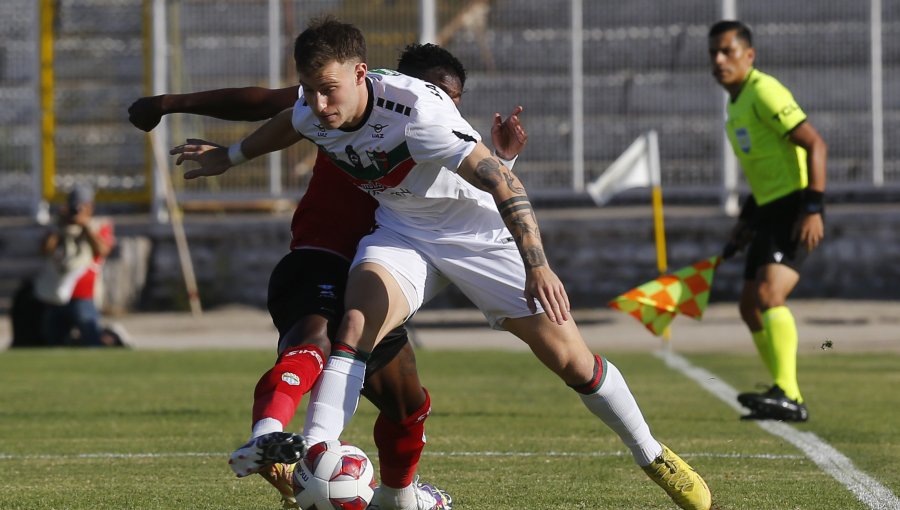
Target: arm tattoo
[512, 205]
[519, 218]
[516, 212]
[533, 257]
[487, 171]
[491, 175]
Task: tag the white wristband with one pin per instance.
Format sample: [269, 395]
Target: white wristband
[508, 163]
[235, 156]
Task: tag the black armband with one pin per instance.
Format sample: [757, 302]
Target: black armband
[813, 201]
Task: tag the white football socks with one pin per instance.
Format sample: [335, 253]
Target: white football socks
[333, 399]
[615, 405]
[401, 499]
[266, 426]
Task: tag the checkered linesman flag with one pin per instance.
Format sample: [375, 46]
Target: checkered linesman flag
[656, 303]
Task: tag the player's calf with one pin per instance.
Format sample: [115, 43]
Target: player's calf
[400, 445]
[279, 391]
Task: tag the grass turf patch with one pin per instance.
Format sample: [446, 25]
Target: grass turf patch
[95, 429]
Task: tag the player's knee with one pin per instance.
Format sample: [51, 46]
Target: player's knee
[769, 296]
[407, 433]
[311, 330]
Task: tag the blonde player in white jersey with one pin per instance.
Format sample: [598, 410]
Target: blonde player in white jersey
[450, 212]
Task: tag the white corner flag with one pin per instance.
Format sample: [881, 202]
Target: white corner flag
[637, 167]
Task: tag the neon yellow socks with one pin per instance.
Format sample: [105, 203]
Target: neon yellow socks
[779, 326]
[764, 348]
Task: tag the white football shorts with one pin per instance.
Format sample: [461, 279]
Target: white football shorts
[493, 278]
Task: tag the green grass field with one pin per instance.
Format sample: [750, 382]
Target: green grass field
[85, 429]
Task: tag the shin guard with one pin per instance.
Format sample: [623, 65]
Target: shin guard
[279, 391]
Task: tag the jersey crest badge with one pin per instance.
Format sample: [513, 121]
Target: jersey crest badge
[743, 139]
[380, 159]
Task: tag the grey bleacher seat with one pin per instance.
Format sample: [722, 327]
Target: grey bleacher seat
[17, 104]
[234, 18]
[648, 48]
[522, 13]
[890, 52]
[98, 58]
[17, 19]
[102, 18]
[809, 45]
[680, 136]
[648, 12]
[93, 146]
[90, 101]
[667, 93]
[545, 51]
[222, 56]
[798, 12]
[832, 87]
[17, 61]
[622, 92]
[557, 13]
[891, 135]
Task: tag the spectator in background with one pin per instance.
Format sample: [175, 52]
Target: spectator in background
[67, 284]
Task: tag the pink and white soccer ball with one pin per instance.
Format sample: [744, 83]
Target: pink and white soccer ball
[334, 475]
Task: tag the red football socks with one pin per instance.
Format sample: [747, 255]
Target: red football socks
[400, 446]
[279, 391]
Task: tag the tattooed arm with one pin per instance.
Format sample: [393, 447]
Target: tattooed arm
[485, 172]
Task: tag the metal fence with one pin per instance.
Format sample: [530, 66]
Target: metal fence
[630, 67]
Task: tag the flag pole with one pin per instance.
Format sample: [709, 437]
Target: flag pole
[658, 224]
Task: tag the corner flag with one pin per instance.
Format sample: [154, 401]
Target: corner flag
[656, 302]
[637, 167]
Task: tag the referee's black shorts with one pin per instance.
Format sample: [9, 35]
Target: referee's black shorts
[776, 238]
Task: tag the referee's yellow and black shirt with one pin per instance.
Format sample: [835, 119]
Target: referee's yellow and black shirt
[759, 122]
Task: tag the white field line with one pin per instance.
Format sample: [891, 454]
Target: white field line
[223, 455]
[867, 489]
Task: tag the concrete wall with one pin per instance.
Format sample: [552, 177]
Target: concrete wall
[598, 253]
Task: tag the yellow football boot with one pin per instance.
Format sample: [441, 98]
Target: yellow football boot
[281, 476]
[684, 485]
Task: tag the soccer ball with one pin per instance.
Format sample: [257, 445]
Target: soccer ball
[334, 475]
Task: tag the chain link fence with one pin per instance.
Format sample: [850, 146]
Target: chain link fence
[644, 66]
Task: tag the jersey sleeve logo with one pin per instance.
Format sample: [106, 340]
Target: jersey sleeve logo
[786, 111]
[463, 136]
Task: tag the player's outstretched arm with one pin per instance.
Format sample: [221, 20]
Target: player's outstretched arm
[485, 172]
[245, 103]
[214, 159]
[508, 135]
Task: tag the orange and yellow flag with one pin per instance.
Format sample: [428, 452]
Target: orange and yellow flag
[656, 302]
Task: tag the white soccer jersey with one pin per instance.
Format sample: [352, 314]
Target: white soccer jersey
[405, 154]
